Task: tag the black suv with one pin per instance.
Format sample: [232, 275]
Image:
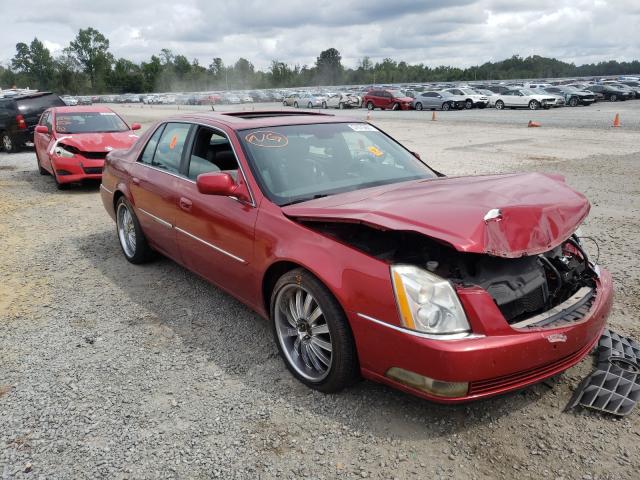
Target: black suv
[19, 115]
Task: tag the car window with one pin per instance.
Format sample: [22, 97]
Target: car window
[211, 152]
[299, 162]
[170, 146]
[150, 148]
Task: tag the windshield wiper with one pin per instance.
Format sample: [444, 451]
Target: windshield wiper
[306, 199]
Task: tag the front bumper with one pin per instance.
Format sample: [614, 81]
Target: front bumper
[498, 359]
[77, 169]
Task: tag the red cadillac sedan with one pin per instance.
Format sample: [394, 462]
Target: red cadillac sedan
[71, 143]
[365, 261]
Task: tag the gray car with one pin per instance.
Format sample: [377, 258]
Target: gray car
[437, 101]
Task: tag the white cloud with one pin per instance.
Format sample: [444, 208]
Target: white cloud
[435, 32]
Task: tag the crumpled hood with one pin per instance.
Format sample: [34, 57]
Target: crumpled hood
[503, 215]
[98, 142]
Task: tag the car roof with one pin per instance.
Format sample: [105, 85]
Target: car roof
[262, 118]
[82, 109]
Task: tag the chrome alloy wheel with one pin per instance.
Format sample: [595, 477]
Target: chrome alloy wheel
[126, 230]
[303, 332]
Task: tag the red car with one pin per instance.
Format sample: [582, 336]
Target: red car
[71, 143]
[365, 260]
[386, 99]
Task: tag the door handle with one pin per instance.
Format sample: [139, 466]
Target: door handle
[135, 180]
[185, 204]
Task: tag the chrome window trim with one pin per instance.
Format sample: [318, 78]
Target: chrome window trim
[451, 336]
[162, 222]
[235, 153]
[216, 248]
[110, 192]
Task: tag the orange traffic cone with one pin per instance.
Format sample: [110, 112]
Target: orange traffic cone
[616, 121]
[433, 116]
[533, 124]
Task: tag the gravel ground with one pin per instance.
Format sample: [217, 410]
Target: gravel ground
[108, 370]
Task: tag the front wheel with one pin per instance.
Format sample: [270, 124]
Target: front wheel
[446, 106]
[309, 105]
[341, 106]
[369, 105]
[312, 332]
[395, 106]
[419, 106]
[468, 104]
[613, 98]
[324, 104]
[500, 105]
[534, 105]
[284, 103]
[132, 241]
[573, 102]
[295, 104]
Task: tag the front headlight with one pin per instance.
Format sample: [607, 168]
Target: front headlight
[427, 303]
[61, 152]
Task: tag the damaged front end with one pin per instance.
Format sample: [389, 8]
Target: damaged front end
[546, 290]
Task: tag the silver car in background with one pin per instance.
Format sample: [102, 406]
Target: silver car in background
[441, 100]
[471, 97]
[342, 100]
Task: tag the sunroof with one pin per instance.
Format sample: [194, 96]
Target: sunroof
[267, 114]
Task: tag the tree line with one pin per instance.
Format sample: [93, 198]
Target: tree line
[86, 66]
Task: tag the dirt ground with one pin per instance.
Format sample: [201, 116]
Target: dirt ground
[108, 370]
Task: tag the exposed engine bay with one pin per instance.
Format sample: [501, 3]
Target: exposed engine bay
[521, 287]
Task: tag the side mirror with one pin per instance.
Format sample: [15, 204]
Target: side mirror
[136, 126]
[220, 183]
[42, 129]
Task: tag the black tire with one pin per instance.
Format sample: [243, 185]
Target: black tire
[41, 170]
[284, 103]
[142, 252]
[499, 105]
[468, 104]
[344, 369]
[7, 143]
[324, 104]
[370, 106]
[309, 105]
[341, 106]
[295, 104]
[395, 106]
[419, 106]
[534, 105]
[573, 102]
[446, 106]
[613, 97]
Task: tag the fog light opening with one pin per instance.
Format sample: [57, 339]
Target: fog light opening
[429, 385]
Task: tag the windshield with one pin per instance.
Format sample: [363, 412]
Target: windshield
[301, 162]
[89, 122]
[396, 93]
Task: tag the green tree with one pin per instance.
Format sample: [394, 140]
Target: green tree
[329, 67]
[34, 62]
[90, 49]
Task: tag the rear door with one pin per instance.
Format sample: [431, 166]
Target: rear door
[154, 183]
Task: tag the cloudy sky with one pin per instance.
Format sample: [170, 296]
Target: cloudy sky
[435, 32]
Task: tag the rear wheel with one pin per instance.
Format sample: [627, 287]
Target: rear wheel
[312, 332]
[341, 106]
[534, 105]
[500, 105]
[284, 103]
[369, 105]
[419, 106]
[309, 105]
[324, 104]
[295, 104]
[446, 106]
[132, 241]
